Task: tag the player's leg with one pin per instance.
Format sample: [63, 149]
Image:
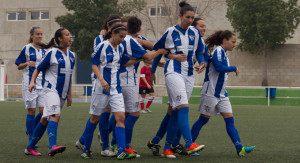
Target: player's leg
[226, 111]
[150, 99]
[142, 92]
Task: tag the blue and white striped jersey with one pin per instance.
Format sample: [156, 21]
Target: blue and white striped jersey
[58, 67]
[181, 41]
[108, 61]
[216, 75]
[132, 50]
[97, 41]
[30, 53]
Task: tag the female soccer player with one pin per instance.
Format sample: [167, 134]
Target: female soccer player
[181, 39]
[214, 98]
[128, 74]
[106, 63]
[105, 127]
[29, 58]
[58, 65]
[145, 87]
[176, 146]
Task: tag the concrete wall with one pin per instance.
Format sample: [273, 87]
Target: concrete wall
[14, 34]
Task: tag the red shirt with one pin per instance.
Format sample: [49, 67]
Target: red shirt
[145, 72]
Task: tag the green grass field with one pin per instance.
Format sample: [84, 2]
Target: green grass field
[274, 130]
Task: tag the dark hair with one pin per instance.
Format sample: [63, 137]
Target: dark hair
[115, 29]
[134, 25]
[217, 38]
[195, 21]
[31, 32]
[54, 42]
[110, 20]
[184, 7]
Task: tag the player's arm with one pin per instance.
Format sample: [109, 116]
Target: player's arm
[33, 77]
[21, 60]
[131, 62]
[21, 66]
[219, 66]
[145, 43]
[178, 57]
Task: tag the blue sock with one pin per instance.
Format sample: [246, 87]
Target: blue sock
[81, 139]
[183, 122]
[37, 119]
[233, 133]
[177, 139]
[120, 136]
[129, 123]
[52, 133]
[37, 135]
[114, 139]
[111, 123]
[172, 130]
[103, 128]
[197, 127]
[29, 125]
[162, 129]
[88, 135]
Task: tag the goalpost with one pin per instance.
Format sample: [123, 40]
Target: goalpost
[2, 80]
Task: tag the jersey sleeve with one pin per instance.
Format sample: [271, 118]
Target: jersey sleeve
[22, 57]
[96, 57]
[155, 63]
[137, 50]
[217, 62]
[46, 62]
[161, 42]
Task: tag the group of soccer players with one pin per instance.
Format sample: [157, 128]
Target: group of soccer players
[117, 52]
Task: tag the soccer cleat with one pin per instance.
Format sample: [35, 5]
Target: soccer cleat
[179, 149]
[114, 148]
[87, 155]
[245, 150]
[194, 148]
[148, 110]
[125, 155]
[32, 152]
[154, 148]
[79, 146]
[130, 150]
[168, 154]
[108, 153]
[144, 111]
[56, 149]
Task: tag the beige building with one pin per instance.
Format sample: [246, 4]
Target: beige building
[17, 16]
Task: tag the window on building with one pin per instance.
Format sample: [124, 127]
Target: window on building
[152, 11]
[16, 16]
[39, 15]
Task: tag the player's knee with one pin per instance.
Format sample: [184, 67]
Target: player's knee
[31, 111]
[94, 119]
[55, 118]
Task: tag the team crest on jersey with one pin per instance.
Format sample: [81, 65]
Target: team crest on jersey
[192, 37]
[53, 107]
[207, 108]
[178, 98]
[93, 107]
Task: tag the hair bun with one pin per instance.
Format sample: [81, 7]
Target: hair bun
[183, 3]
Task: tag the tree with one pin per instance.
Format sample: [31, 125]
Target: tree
[170, 10]
[263, 24]
[85, 21]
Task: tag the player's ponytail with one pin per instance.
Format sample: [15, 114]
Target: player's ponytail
[216, 39]
[54, 42]
[115, 29]
[184, 7]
